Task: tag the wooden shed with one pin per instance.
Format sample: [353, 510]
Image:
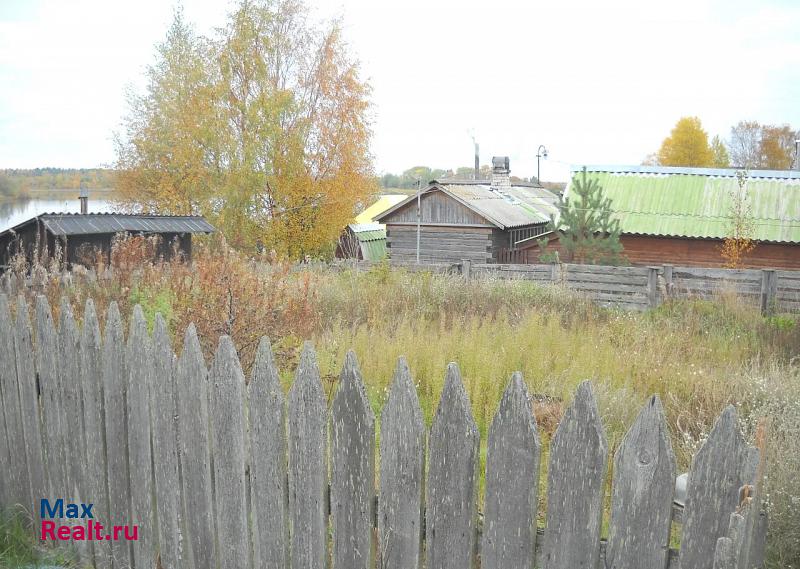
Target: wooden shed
[82, 235]
[476, 220]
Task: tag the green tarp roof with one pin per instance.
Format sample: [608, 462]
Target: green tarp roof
[695, 202]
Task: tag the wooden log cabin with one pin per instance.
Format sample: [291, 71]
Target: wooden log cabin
[468, 219]
[681, 216]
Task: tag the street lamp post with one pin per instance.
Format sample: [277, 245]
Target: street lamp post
[540, 153]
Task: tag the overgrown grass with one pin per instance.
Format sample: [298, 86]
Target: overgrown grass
[19, 547]
[698, 356]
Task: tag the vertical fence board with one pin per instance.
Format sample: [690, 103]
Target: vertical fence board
[46, 350]
[268, 463]
[307, 465]
[575, 482]
[72, 419]
[352, 470]
[17, 476]
[95, 479]
[195, 459]
[402, 476]
[29, 408]
[140, 376]
[165, 451]
[641, 501]
[712, 491]
[227, 420]
[115, 392]
[7, 460]
[452, 479]
[511, 502]
[72, 423]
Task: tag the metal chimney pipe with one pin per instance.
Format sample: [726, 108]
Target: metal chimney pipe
[477, 162]
[84, 199]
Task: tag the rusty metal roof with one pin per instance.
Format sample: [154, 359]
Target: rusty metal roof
[509, 207]
[93, 223]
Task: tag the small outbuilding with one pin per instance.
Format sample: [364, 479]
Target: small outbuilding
[681, 216]
[81, 236]
[477, 220]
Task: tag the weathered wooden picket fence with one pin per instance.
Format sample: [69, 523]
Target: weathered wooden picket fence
[217, 472]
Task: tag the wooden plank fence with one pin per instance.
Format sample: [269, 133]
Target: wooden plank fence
[219, 472]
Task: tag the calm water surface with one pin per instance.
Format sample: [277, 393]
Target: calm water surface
[15, 211]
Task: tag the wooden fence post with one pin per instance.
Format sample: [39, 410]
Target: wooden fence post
[268, 462]
[308, 469]
[17, 477]
[402, 476]
[768, 291]
[139, 378]
[575, 483]
[719, 469]
[29, 409]
[95, 479]
[195, 457]
[352, 470]
[115, 389]
[466, 269]
[652, 286]
[509, 534]
[555, 272]
[165, 446]
[668, 284]
[452, 488]
[227, 442]
[641, 500]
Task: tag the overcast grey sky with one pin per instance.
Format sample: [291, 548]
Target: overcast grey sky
[595, 82]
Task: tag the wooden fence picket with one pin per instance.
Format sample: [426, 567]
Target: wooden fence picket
[451, 505]
[115, 392]
[165, 449]
[402, 475]
[139, 379]
[17, 473]
[719, 469]
[51, 398]
[227, 442]
[195, 458]
[29, 408]
[218, 474]
[643, 488]
[575, 483]
[308, 469]
[72, 422]
[95, 478]
[268, 485]
[511, 502]
[352, 470]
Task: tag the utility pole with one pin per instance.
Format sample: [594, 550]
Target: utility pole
[419, 213]
[540, 153]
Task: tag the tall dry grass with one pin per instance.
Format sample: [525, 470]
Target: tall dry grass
[697, 355]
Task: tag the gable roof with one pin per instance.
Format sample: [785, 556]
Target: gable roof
[371, 239]
[93, 223]
[383, 203]
[695, 202]
[515, 206]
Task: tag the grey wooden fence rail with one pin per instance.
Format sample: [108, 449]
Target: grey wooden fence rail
[639, 288]
[219, 472]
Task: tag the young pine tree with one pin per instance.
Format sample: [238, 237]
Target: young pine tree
[588, 232]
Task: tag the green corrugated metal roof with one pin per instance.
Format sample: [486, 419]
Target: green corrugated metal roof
[374, 250]
[372, 240]
[695, 202]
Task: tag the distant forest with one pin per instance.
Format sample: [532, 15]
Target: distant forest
[408, 179]
[18, 182]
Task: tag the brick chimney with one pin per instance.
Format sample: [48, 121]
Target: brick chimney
[500, 173]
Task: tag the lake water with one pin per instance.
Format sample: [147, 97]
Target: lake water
[14, 212]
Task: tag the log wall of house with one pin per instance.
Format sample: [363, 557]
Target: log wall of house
[439, 244]
[437, 207]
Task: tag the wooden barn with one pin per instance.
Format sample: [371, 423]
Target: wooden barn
[464, 219]
[681, 216]
[80, 236]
